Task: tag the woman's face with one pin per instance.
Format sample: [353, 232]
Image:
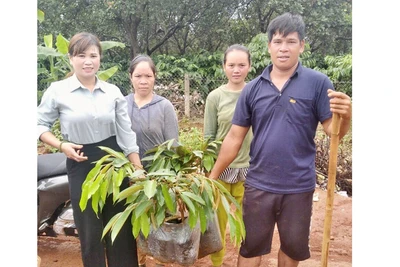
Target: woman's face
[237, 66]
[143, 79]
[86, 64]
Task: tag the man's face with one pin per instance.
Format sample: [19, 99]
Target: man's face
[285, 51]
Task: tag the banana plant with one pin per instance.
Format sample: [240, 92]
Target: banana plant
[53, 62]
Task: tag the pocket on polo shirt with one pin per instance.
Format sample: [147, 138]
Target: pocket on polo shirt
[299, 110]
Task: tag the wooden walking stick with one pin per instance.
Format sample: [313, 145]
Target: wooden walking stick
[334, 143]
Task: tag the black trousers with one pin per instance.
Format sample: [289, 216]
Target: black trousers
[123, 251]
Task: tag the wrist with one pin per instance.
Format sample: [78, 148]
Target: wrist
[60, 146]
[138, 166]
[210, 176]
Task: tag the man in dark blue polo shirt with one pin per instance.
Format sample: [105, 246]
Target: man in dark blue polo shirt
[284, 106]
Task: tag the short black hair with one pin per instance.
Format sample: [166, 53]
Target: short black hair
[285, 24]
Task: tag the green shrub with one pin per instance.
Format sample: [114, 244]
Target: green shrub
[192, 137]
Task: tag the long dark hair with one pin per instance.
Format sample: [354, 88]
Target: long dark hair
[82, 41]
[236, 47]
[142, 58]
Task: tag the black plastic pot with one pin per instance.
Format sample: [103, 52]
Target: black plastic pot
[175, 242]
[172, 242]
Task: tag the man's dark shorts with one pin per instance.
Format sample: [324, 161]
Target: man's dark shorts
[292, 214]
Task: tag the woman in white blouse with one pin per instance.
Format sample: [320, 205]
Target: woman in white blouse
[92, 113]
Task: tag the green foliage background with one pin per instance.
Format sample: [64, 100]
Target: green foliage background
[190, 36]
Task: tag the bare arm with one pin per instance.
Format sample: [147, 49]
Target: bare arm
[135, 160]
[340, 103]
[229, 149]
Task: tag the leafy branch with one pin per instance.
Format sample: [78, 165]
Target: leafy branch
[173, 188]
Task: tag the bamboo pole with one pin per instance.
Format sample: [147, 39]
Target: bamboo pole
[187, 96]
[333, 150]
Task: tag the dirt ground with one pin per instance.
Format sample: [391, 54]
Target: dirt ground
[65, 251]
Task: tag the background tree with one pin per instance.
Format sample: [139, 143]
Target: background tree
[189, 36]
[178, 27]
